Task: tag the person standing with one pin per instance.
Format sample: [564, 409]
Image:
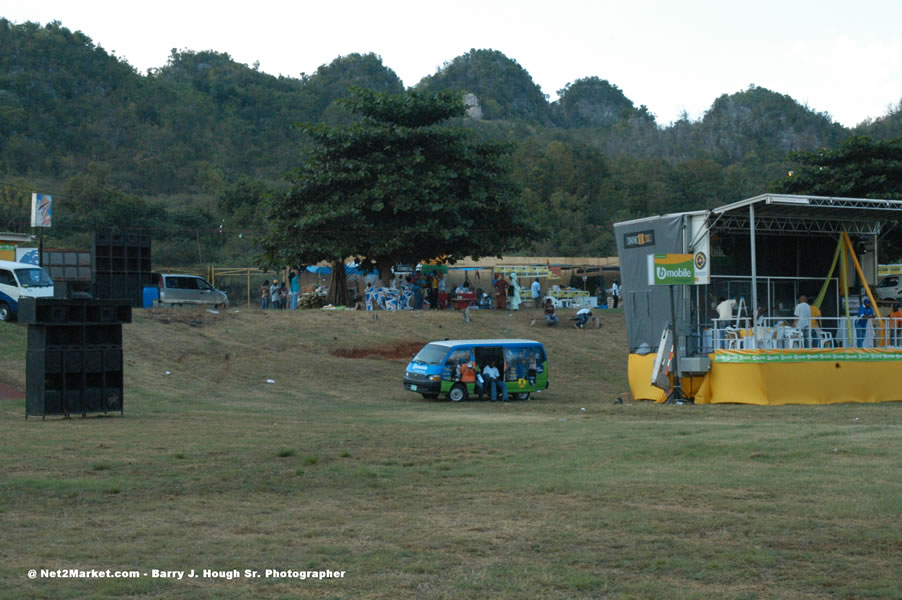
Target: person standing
[274, 294]
[295, 283]
[417, 290]
[433, 291]
[514, 293]
[803, 319]
[865, 314]
[896, 323]
[535, 292]
[615, 292]
[815, 324]
[724, 316]
[264, 295]
[469, 373]
[443, 291]
[550, 317]
[501, 292]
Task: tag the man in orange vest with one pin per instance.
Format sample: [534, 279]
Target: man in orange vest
[468, 374]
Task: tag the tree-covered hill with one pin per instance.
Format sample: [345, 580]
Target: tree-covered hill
[593, 102]
[192, 150]
[764, 122]
[504, 89]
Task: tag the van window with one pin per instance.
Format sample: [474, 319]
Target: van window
[432, 354]
[6, 277]
[487, 354]
[33, 277]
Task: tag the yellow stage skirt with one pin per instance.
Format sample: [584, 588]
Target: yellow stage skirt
[773, 377]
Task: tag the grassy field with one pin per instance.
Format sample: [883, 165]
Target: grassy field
[334, 466]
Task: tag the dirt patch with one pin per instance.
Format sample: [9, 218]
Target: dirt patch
[393, 351]
[188, 315]
[8, 392]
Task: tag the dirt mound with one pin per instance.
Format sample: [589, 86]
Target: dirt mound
[394, 351]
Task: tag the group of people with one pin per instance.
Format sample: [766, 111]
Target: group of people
[490, 378]
[278, 295]
[429, 287]
[806, 315]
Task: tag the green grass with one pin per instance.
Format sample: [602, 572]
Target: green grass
[336, 467]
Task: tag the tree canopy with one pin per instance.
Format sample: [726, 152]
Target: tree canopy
[398, 186]
[859, 168]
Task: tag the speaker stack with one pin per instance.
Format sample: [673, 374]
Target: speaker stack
[74, 359]
[122, 266]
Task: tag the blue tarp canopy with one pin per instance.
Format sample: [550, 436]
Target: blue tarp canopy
[349, 270]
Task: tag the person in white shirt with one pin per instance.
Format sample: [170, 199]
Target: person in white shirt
[582, 316]
[615, 292]
[803, 319]
[535, 292]
[725, 310]
[492, 379]
[724, 316]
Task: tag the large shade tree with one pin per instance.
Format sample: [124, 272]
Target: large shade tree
[859, 168]
[397, 186]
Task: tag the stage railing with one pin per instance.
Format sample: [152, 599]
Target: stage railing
[780, 333]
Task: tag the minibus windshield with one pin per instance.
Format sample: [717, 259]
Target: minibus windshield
[432, 354]
[35, 277]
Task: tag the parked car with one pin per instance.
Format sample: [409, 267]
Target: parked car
[889, 288]
[176, 290]
[18, 280]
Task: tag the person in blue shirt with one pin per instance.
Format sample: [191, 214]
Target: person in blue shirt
[295, 290]
[865, 312]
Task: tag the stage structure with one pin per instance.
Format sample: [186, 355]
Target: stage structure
[764, 253]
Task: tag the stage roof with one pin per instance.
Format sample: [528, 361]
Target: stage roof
[807, 215]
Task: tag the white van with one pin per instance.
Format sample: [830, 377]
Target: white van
[18, 280]
[890, 288]
[176, 290]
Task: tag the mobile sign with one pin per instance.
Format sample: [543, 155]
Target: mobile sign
[671, 269]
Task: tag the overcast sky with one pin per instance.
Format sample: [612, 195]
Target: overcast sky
[839, 57]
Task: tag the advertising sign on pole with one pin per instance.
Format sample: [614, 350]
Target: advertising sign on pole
[701, 248]
[41, 210]
[671, 269]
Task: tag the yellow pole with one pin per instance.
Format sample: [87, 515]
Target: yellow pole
[867, 288]
[844, 282]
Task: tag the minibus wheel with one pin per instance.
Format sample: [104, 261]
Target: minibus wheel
[522, 396]
[4, 312]
[457, 393]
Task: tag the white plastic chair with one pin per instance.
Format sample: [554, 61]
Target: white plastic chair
[795, 339]
[731, 338]
[825, 338]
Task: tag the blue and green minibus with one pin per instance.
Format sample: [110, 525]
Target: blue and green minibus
[449, 367]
